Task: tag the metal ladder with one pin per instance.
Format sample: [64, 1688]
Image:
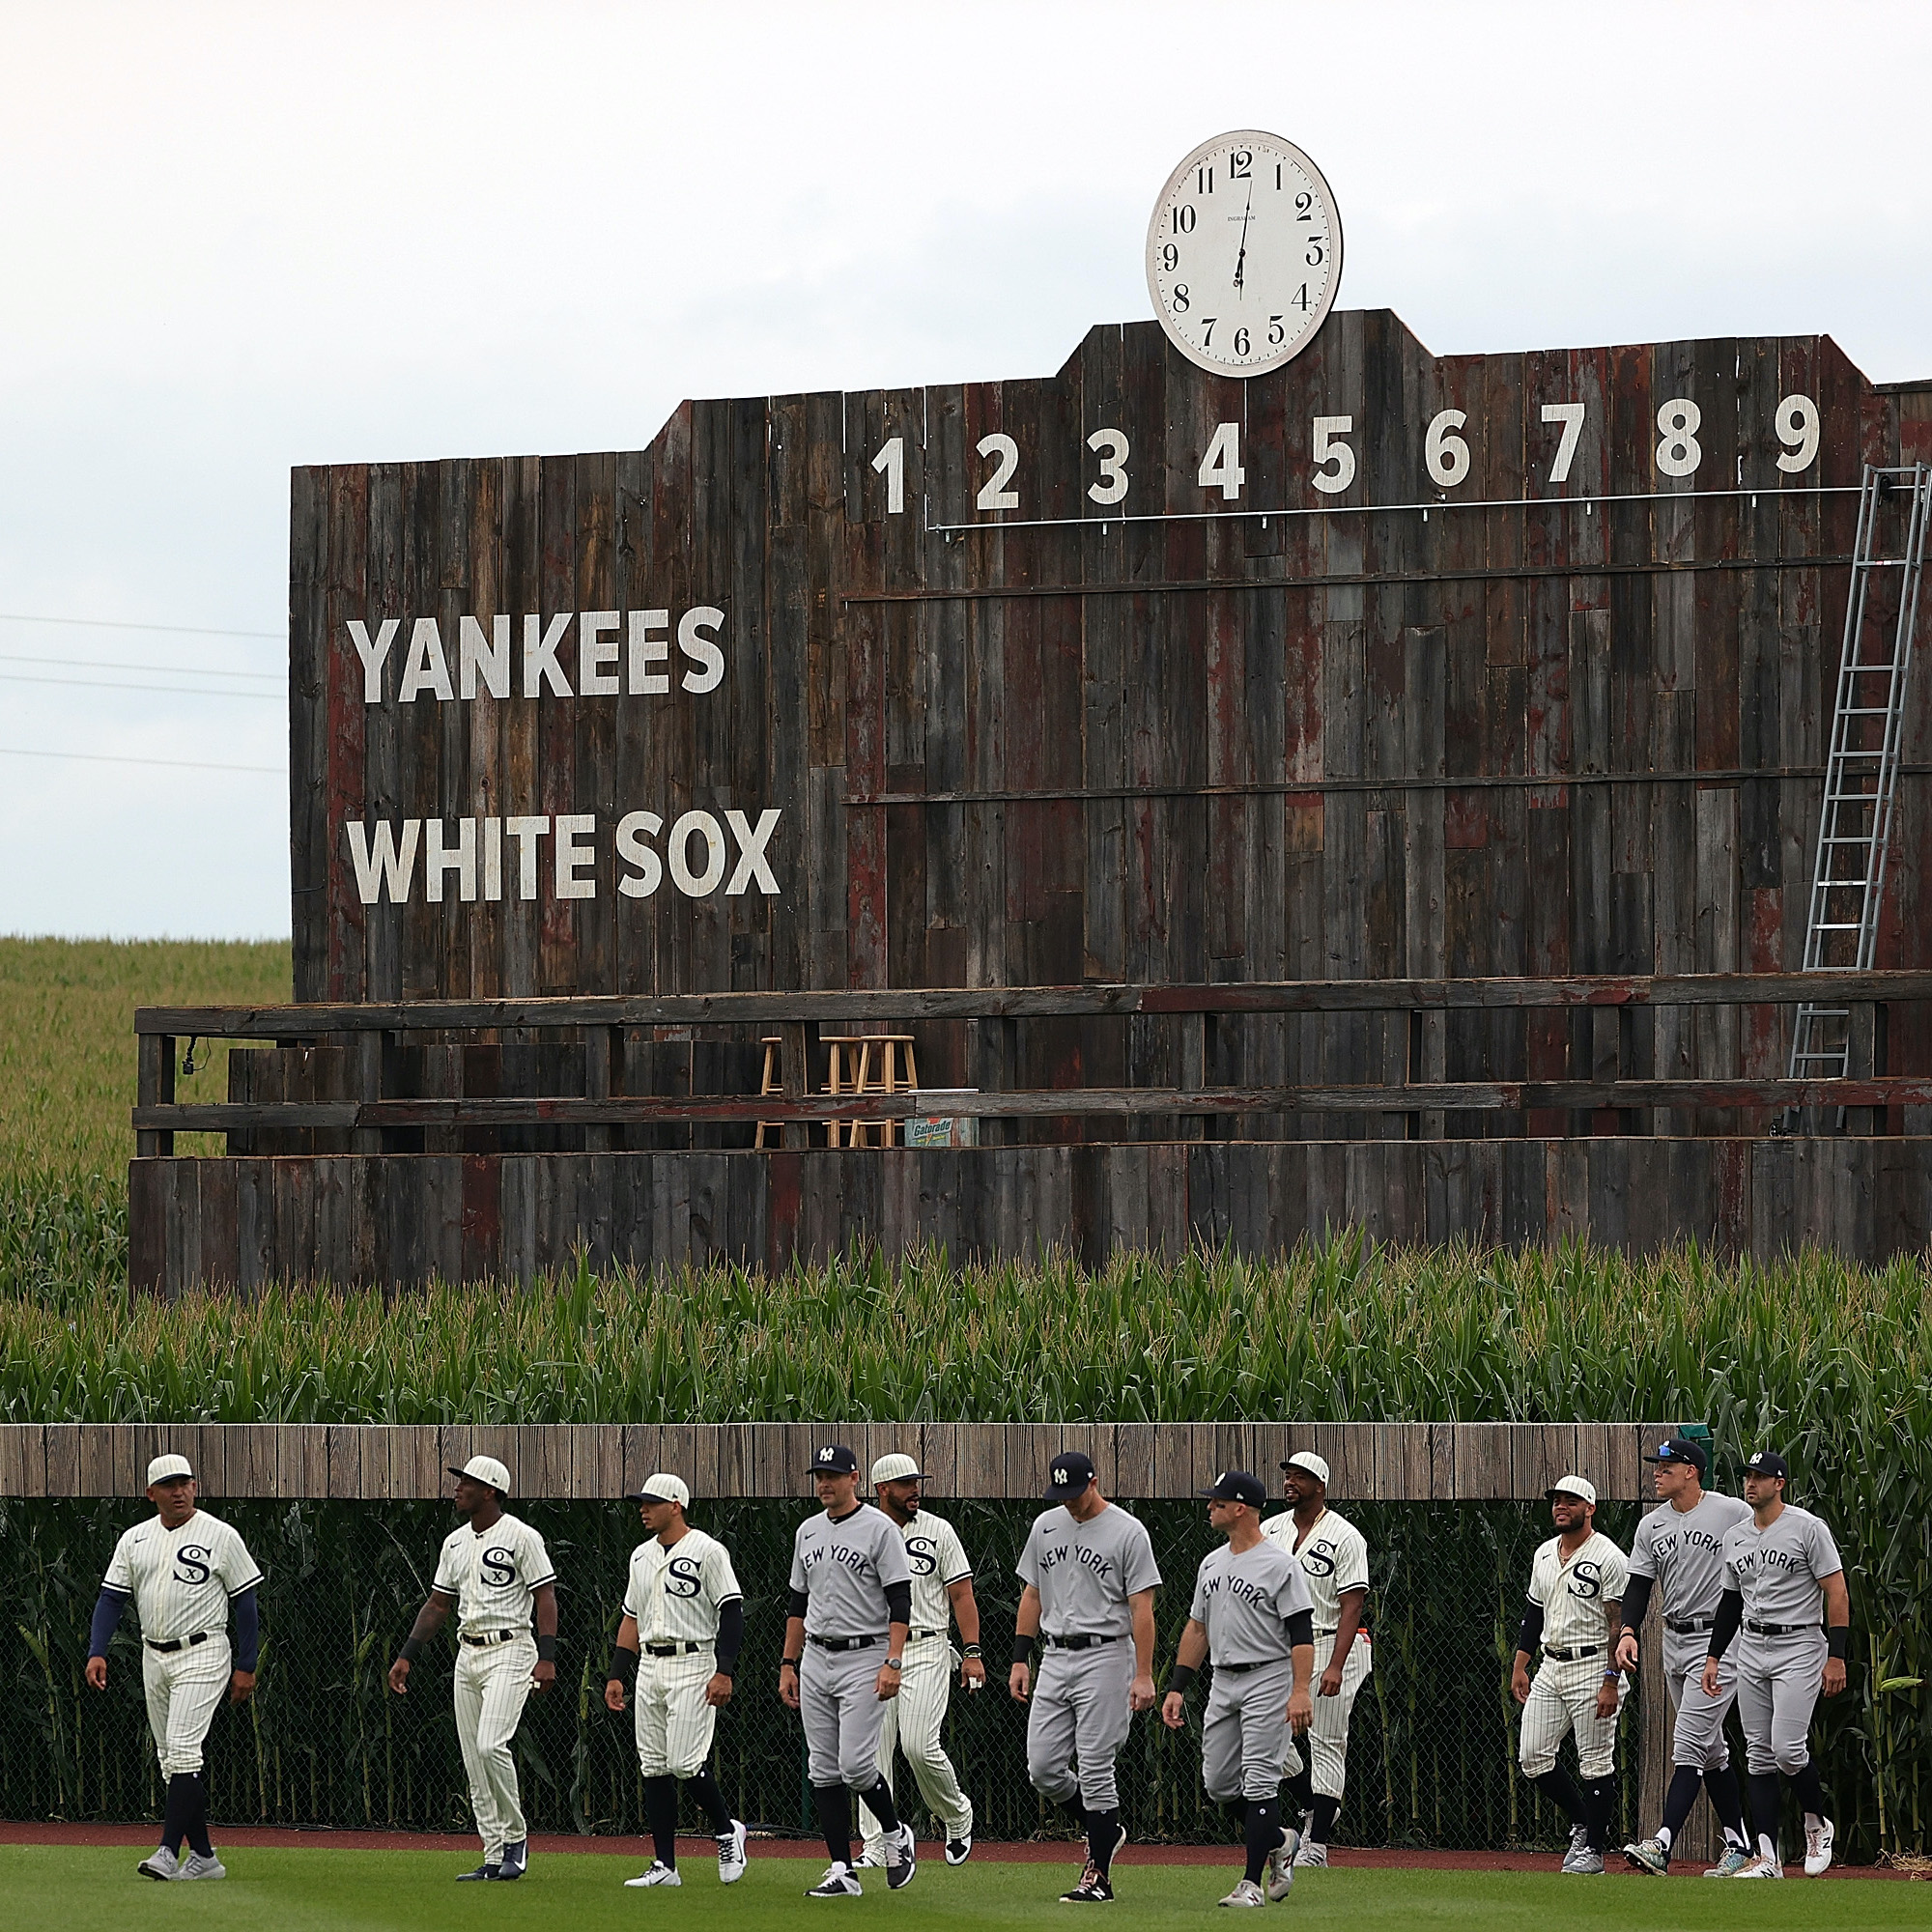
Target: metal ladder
[1861, 773]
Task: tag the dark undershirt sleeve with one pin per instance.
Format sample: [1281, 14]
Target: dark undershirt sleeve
[1300, 1626]
[106, 1615]
[1730, 1616]
[1531, 1632]
[799, 1604]
[730, 1633]
[248, 1629]
[899, 1603]
[1636, 1600]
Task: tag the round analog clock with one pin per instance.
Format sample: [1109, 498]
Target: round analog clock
[1245, 253]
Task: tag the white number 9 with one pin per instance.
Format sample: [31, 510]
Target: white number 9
[1444, 451]
[1798, 429]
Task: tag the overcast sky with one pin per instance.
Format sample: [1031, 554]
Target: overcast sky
[235, 239]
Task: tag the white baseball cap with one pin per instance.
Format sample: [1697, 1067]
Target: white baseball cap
[895, 1469]
[1573, 1485]
[163, 1468]
[1307, 1459]
[485, 1469]
[662, 1488]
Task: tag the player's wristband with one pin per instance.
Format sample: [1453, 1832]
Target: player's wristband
[972, 1650]
[787, 1663]
[1838, 1640]
[623, 1664]
[412, 1649]
[1022, 1648]
[547, 1648]
[1179, 1678]
[1611, 1676]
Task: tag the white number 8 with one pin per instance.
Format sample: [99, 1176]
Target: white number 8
[1797, 427]
[1679, 452]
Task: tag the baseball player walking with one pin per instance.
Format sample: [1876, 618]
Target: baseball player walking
[1780, 1567]
[679, 1637]
[942, 1588]
[851, 1596]
[495, 1571]
[1253, 1618]
[1679, 1548]
[1334, 1557]
[1575, 1588]
[1089, 1578]
[185, 1571]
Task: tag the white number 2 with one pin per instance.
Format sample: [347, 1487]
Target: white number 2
[1444, 451]
[994, 493]
[1798, 428]
[1111, 447]
[1678, 450]
[1328, 447]
[1571, 417]
[1222, 464]
[891, 461]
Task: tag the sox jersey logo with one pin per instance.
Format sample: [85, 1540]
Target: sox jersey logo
[180, 1579]
[674, 1593]
[494, 1575]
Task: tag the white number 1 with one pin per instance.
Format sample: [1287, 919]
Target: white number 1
[1571, 417]
[891, 461]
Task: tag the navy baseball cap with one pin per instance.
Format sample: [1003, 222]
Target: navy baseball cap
[1768, 1463]
[1070, 1474]
[1236, 1486]
[833, 1460]
[1681, 1449]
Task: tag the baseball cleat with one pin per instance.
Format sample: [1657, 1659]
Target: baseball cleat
[660, 1873]
[1313, 1852]
[1818, 1839]
[1280, 1863]
[1093, 1888]
[1733, 1861]
[1759, 1868]
[515, 1859]
[841, 1881]
[481, 1871]
[1247, 1892]
[900, 1870]
[1648, 1855]
[958, 1850]
[731, 1853]
[198, 1865]
[163, 1863]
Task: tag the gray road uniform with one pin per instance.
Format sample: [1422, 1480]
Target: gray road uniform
[1682, 1553]
[841, 1568]
[1243, 1601]
[1080, 1709]
[1782, 1649]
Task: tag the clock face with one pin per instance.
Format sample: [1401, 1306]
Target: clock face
[1245, 253]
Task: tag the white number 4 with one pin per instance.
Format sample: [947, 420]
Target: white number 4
[1222, 464]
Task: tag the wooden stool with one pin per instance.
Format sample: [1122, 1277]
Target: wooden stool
[879, 1070]
[770, 1083]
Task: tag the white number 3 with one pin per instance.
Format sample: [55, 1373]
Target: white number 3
[1111, 447]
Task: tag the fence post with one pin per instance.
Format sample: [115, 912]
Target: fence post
[154, 1087]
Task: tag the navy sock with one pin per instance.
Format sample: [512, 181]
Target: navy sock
[1684, 1786]
[661, 1816]
[880, 1799]
[1764, 1808]
[1324, 1809]
[1301, 1789]
[1810, 1792]
[175, 1812]
[834, 1805]
[1264, 1833]
[704, 1788]
[1556, 1786]
[1102, 1829]
[1726, 1800]
[1600, 1806]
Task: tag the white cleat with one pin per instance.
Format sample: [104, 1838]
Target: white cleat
[1313, 1852]
[958, 1850]
[1818, 1839]
[1247, 1892]
[194, 1865]
[163, 1863]
[1279, 1878]
[660, 1873]
[841, 1881]
[1759, 1868]
[731, 1853]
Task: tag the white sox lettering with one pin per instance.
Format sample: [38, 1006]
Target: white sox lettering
[683, 1576]
[1318, 1558]
[193, 1563]
[1586, 1580]
[920, 1554]
[498, 1567]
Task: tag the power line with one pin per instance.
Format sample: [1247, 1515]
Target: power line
[171, 670]
[108, 759]
[117, 624]
[122, 684]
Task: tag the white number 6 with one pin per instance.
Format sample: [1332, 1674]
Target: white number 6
[1328, 447]
[1797, 427]
[1444, 451]
[1678, 450]
[994, 493]
[1111, 449]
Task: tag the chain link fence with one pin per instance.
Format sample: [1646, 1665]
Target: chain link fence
[1432, 1756]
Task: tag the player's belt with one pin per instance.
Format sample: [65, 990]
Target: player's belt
[167, 1646]
[844, 1642]
[1778, 1629]
[684, 1649]
[1085, 1640]
[914, 1636]
[1253, 1664]
[1688, 1625]
[482, 1640]
[1573, 1656]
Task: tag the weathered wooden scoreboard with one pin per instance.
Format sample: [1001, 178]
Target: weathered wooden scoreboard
[1073, 694]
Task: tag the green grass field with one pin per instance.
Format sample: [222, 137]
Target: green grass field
[317, 1890]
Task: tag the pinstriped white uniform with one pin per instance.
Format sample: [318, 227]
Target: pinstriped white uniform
[1334, 1557]
[181, 1580]
[674, 1595]
[493, 1576]
[1563, 1695]
[916, 1716]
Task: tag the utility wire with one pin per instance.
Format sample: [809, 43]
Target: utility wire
[170, 670]
[108, 759]
[122, 684]
[114, 624]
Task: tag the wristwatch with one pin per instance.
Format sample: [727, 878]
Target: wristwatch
[894, 1663]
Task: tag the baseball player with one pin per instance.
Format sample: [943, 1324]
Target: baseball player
[1679, 1548]
[1089, 1578]
[851, 1597]
[185, 1571]
[685, 1613]
[1334, 1555]
[942, 1588]
[1575, 1588]
[1781, 1568]
[1253, 1617]
[497, 1572]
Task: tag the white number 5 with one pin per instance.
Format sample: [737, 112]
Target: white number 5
[1328, 447]
[1111, 449]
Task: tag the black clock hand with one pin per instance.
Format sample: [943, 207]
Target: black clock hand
[1242, 256]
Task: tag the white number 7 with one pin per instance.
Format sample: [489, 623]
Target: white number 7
[1571, 417]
